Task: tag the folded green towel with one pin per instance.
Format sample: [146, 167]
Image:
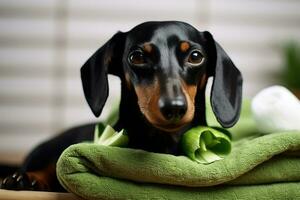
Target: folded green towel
[259, 167]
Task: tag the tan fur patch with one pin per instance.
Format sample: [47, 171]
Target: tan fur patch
[128, 83]
[189, 92]
[184, 46]
[203, 81]
[44, 177]
[148, 97]
[148, 48]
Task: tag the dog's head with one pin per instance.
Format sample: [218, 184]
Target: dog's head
[166, 64]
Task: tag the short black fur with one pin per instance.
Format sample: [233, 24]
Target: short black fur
[168, 68]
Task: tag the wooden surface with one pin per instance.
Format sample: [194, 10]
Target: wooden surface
[30, 195]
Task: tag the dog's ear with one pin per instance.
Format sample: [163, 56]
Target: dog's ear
[226, 93]
[106, 59]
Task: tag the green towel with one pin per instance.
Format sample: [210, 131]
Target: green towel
[259, 167]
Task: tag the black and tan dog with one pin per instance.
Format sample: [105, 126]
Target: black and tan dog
[163, 67]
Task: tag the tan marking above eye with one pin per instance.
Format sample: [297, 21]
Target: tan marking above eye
[184, 46]
[148, 47]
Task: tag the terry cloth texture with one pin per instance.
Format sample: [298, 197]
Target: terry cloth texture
[259, 167]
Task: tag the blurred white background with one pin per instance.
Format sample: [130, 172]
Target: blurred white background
[44, 43]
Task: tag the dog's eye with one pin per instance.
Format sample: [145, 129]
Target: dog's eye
[137, 58]
[195, 57]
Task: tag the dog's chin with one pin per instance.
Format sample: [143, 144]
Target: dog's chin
[168, 126]
[171, 127]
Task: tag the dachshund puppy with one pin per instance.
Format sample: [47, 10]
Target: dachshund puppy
[163, 68]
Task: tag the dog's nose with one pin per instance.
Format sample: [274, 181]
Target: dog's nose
[173, 109]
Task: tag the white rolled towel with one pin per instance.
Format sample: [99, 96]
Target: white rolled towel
[276, 109]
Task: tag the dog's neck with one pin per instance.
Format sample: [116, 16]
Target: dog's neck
[142, 135]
